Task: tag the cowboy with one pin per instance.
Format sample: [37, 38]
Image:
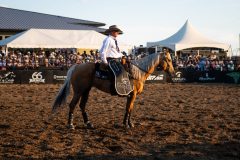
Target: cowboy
[110, 50]
[111, 55]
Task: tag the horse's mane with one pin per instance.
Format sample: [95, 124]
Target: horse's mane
[141, 66]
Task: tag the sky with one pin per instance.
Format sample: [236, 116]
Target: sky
[145, 21]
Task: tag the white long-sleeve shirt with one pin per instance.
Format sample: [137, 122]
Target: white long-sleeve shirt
[109, 49]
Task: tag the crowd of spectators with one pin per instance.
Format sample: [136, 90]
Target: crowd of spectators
[60, 59]
[45, 59]
[201, 63]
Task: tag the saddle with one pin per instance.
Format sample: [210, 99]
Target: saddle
[118, 76]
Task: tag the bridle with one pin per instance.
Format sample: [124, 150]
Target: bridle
[166, 61]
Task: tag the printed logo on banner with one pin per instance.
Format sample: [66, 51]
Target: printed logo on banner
[59, 78]
[179, 77]
[235, 76]
[156, 77]
[37, 78]
[206, 78]
[7, 78]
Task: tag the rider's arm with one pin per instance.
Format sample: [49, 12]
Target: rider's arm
[105, 48]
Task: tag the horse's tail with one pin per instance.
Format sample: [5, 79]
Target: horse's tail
[64, 91]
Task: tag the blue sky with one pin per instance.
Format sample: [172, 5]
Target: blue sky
[148, 20]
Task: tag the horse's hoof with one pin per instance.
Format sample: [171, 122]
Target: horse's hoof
[117, 126]
[71, 127]
[89, 125]
[131, 125]
[128, 126]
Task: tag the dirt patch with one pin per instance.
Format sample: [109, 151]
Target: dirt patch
[172, 121]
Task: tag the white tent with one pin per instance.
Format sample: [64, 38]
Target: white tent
[50, 38]
[188, 37]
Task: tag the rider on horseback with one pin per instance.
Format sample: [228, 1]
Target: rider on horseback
[111, 55]
[110, 49]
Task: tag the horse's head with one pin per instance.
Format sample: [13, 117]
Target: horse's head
[166, 63]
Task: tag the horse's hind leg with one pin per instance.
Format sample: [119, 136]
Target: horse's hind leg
[72, 105]
[82, 106]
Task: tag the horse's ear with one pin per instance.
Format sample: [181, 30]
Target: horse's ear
[124, 60]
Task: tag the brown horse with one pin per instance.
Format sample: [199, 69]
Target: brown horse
[82, 77]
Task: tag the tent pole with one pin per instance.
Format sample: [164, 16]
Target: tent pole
[6, 51]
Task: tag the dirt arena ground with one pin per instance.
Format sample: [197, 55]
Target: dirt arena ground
[172, 121]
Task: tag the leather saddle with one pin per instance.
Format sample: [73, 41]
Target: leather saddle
[118, 76]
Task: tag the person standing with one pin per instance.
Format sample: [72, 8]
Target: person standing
[110, 50]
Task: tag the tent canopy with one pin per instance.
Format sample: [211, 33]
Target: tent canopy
[188, 37]
[51, 38]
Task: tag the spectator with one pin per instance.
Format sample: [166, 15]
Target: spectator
[230, 66]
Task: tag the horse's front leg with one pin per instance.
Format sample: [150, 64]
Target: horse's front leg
[129, 107]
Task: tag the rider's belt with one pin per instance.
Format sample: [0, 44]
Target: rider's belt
[115, 59]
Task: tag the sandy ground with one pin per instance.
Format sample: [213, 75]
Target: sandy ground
[172, 121]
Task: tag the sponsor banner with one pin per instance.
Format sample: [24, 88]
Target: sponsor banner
[59, 76]
[42, 76]
[7, 77]
[207, 77]
[210, 76]
[179, 77]
[36, 77]
[157, 77]
[232, 77]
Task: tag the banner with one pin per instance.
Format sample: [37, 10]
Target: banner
[36, 77]
[7, 77]
[157, 77]
[59, 76]
[43, 76]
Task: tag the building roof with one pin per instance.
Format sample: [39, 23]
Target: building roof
[14, 19]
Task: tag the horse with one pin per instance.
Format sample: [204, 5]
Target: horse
[82, 78]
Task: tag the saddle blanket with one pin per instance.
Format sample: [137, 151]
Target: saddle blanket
[123, 85]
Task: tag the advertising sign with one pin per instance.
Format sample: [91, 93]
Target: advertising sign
[179, 77]
[156, 77]
[7, 77]
[59, 76]
[43, 76]
[37, 78]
